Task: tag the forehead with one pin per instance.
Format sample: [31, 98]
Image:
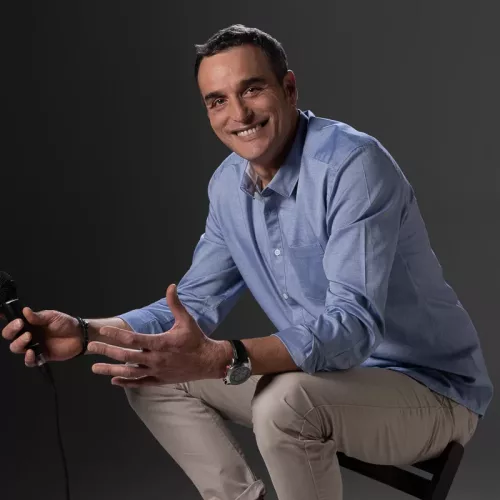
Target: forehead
[229, 67]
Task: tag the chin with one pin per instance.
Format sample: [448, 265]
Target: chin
[256, 155]
[253, 157]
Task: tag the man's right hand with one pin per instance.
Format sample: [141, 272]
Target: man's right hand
[62, 336]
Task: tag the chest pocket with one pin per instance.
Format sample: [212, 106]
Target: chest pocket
[307, 264]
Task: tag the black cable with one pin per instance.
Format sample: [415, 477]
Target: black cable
[47, 372]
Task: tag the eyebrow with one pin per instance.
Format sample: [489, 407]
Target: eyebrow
[244, 83]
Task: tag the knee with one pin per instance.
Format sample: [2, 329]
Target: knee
[281, 405]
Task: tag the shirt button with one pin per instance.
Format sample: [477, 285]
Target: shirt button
[277, 252]
[285, 296]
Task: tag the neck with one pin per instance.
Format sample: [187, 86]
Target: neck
[266, 171]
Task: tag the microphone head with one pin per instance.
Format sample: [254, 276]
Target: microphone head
[7, 288]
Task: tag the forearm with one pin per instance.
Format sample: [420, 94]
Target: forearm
[267, 355]
[96, 324]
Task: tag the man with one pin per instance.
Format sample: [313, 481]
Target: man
[373, 356]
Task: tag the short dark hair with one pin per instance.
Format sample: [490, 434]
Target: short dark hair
[237, 35]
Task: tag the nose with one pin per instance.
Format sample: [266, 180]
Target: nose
[240, 112]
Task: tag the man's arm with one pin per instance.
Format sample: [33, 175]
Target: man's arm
[267, 355]
[96, 324]
[208, 290]
[367, 203]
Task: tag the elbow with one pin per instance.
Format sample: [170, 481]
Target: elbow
[359, 352]
[361, 342]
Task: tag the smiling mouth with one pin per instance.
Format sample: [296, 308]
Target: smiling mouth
[251, 131]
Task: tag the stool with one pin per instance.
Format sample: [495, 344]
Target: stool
[442, 470]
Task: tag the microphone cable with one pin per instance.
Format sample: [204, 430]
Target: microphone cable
[46, 371]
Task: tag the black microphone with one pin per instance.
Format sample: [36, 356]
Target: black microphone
[11, 307]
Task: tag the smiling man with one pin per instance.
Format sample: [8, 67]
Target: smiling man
[373, 354]
[251, 106]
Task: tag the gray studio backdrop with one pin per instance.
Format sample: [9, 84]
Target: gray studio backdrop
[107, 153]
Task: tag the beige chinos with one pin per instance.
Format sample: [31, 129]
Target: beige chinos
[300, 421]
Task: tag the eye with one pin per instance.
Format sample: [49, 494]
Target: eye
[253, 90]
[217, 102]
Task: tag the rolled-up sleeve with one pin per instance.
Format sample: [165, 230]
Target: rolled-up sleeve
[208, 290]
[366, 204]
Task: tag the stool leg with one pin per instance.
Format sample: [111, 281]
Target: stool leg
[443, 478]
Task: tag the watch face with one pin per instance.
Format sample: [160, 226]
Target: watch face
[240, 374]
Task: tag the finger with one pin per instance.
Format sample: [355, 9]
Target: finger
[142, 381]
[19, 345]
[178, 310]
[36, 318]
[12, 329]
[29, 358]
[129, 339]
[119, 370]
[118, 353]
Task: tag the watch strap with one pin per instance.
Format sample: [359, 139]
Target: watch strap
[239, 351]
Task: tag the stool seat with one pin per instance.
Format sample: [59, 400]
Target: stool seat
[442, 470]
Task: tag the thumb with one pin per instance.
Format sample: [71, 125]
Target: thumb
[178, 310]
[36, 318]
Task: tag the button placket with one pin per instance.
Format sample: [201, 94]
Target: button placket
[276, 242]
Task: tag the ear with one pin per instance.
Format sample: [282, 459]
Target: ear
[290, 86]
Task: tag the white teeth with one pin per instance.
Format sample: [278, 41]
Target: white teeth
[249, 131]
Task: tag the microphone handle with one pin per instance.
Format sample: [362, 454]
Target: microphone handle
[13, 309]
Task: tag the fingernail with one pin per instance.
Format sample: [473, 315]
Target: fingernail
[18, 323]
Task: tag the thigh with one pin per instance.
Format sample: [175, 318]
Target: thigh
[232, 402]
[374, 414]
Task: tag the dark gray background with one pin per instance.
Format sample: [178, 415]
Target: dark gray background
[106, 157]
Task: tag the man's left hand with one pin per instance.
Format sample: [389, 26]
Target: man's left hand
[182, 354]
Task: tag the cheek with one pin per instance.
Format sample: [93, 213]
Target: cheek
[217, 127]
[214, 123]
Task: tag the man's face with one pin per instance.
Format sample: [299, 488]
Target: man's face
[249, 110]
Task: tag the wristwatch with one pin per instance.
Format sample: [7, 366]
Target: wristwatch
[240, 369]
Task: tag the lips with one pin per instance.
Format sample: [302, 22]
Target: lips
[250, 130]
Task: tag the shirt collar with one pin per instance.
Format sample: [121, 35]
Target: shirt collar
[286, 178]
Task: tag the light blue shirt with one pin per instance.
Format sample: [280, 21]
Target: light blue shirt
[335, 251]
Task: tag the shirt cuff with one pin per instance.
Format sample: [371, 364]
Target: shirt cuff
[299, 342]
[142, 321]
